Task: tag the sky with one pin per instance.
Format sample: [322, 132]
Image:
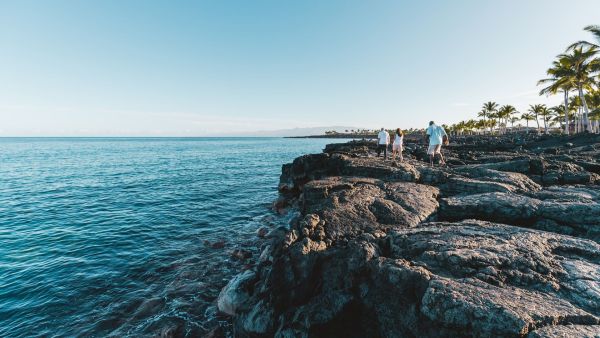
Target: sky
[196, 68]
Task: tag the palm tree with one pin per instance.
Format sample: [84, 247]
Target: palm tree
[560, 116]
[460, 127]
[545, 113]
[505, 112]
[535, 110]
[501, 114]
[482, 113]
[595, 116]
[575, 107]
[513, 119]
[527, 117]
[516, 116]
[492, 123]
[452, 129]
[480, 125]
[593, 99]
[490, 108]
[560, 79]
[471, 125]
[583, 65]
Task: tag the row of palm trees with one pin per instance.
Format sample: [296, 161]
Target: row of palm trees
[369, 132]
[577, 70]
[496, 119]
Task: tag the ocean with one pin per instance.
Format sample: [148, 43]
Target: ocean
[116, 236]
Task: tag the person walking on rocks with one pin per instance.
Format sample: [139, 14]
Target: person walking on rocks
[398, 144]
[383, 140]
[437, 136]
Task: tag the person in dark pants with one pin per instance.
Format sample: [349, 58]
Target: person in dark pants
[383, 140]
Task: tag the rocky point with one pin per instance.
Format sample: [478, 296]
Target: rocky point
[501, 242]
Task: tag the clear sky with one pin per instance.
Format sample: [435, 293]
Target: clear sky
[195, 68]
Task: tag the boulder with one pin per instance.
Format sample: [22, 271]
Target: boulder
[349, 207]
[567, 331]
[379, 169]
[236, 293]
[557, 212]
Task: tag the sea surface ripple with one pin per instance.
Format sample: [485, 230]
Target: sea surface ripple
[107, 236]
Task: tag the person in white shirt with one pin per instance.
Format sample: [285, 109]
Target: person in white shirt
[383, 140]
[397, 146]
[437, 136]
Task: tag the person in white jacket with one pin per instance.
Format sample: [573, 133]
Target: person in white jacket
[383, 140]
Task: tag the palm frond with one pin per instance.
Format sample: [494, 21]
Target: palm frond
[595, 30]
[580, 44]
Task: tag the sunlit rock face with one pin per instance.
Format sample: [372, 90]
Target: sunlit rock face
[502, 242]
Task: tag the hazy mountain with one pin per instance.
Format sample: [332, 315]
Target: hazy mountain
[295, 131]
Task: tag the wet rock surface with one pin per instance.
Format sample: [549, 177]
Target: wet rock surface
[502, 242]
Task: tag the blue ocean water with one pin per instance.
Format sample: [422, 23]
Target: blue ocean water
[107, 236]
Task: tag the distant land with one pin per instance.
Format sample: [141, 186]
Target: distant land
[340, 135]
[295, 132]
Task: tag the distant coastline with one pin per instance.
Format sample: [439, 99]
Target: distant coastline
[340, 136]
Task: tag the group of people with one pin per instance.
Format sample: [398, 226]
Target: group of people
[383, 141]
[436, 136]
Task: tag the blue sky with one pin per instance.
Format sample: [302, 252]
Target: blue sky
[176, 68]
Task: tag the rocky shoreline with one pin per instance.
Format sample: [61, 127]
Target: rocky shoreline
[502, 242]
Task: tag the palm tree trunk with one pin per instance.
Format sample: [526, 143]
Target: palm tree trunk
[586, 122]
[566, 112]
[545, 125]
[483, 122]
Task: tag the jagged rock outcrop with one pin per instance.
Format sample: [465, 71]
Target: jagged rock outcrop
[470, 278]
[504, 243]
[566, 331]
[565, 211]
[370, 205]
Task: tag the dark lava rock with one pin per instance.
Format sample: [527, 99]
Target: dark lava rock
[217, 332]
[241, 254]
[280, 203]
[219, 244]
[369, 204]
[502, 243]
[569, 211]
[262, 232]
[442, 279]
[567, 331]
